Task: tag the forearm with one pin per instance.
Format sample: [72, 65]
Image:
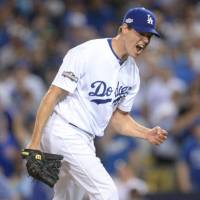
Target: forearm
[126, 125]
[135, 129]
[44, 111]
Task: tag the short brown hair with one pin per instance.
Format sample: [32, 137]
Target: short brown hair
[120, 28]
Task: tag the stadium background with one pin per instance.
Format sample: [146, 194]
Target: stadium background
[34, 37]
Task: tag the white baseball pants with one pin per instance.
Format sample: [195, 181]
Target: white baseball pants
[81, 170]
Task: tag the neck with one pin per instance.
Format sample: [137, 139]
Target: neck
[119, 48]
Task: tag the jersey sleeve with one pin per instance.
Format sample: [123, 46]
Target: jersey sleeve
[127, 103]
[69, 72]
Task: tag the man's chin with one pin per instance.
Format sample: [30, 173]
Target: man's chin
[134, 56]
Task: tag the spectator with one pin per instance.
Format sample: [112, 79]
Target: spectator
[188, 169]
[8, 148]
[128, 184]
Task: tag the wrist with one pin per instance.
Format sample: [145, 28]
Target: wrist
[145, 137]
[35, 146]
[146, 134]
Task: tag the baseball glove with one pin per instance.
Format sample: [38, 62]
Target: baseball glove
[42, 166]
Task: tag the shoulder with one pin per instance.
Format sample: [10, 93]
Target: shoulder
[95, 43]
[88, 47]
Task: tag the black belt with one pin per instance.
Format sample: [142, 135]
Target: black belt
[88, 133]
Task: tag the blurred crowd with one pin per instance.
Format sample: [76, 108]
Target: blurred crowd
[34, 37]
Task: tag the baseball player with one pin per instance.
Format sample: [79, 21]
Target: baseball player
[95, 86]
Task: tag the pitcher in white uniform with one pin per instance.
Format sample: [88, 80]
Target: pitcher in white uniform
[95, 86]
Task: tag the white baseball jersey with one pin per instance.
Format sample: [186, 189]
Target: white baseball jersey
[97, 84]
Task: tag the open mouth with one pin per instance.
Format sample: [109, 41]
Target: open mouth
[139, 48]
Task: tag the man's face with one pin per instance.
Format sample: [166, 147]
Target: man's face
[135, 42]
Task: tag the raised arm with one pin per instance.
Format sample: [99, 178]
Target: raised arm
[124, 124]
[50, 99]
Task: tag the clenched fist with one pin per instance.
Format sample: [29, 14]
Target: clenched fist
[156, 135]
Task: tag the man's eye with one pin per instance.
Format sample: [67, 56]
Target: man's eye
[143, 34]
[146, 35]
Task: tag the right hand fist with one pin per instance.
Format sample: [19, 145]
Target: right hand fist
[156, 135]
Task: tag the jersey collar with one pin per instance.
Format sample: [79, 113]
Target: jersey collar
[120, 61]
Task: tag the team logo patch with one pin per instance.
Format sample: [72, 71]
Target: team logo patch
[70, 75]
[129, 20]
[149, 19]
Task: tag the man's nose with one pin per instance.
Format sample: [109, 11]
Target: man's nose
[146, 39]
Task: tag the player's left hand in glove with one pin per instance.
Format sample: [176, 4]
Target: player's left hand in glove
[42, 166]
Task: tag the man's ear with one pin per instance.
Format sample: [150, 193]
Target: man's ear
[124, 28]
